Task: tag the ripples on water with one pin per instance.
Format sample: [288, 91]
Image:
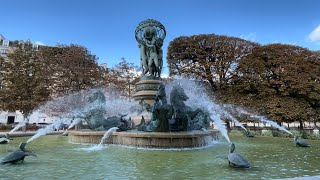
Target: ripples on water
[59, 159]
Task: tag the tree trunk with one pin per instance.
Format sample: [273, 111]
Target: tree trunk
[26, 120]
[279, 123]
[301, 125]
[228, 126]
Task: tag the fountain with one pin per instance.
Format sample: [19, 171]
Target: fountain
[166, 129]
[174, 116]
[154, 122]
[150, 121]
[164, 125]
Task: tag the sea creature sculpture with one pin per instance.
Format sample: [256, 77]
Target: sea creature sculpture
[237, 160]
[17, 155]
[5, 139]
[65, 133]
[300, 142]
[249, 133]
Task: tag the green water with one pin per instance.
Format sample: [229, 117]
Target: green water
[59, 159]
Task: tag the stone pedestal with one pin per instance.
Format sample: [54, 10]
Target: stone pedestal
[147, 89]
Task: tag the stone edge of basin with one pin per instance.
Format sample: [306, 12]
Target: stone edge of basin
[148, 139]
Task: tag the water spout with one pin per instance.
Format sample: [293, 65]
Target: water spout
[221, 127]
[44, 131]
[21, 124]
[263, 119]
[99, 146]
[107, 134]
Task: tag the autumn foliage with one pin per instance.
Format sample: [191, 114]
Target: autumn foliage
[277, 80]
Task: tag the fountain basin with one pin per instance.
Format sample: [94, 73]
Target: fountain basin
[166, 140]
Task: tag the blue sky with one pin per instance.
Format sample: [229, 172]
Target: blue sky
[106, 27]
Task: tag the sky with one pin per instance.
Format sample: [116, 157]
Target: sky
[106, 27]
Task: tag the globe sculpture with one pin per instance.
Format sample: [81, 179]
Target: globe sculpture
[150, 35]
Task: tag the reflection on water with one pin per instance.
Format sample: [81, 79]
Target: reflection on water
[59, 159]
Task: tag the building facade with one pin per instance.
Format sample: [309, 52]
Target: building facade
[4, 46]
[7, 46]
[17, 117]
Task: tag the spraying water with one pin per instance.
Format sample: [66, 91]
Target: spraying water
[21, 124]
[76, 107]
[107, 134]
[198, 98]
[74, 122]
[99, 146]
[265, 120]
[44, 131]
[219, 123]
[233, 119]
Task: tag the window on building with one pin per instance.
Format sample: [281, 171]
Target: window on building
[10, 119]
[35, 46]
[3, 51]
[5, 43]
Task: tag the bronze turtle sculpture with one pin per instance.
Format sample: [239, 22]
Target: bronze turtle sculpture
[300, 142]
[237, 160]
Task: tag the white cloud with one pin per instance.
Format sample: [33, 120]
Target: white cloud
[39, 43]
[249, 37]
[315, 34]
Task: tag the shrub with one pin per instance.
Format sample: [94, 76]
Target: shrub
[265, 132]
[236, 132]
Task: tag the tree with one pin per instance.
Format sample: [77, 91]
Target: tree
[71, 68]
[124, 76]
[211, 57]
[317, 54]
[278, 80]
[2, 73]
[24, 81]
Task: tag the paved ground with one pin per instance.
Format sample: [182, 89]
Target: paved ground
[27, 133]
